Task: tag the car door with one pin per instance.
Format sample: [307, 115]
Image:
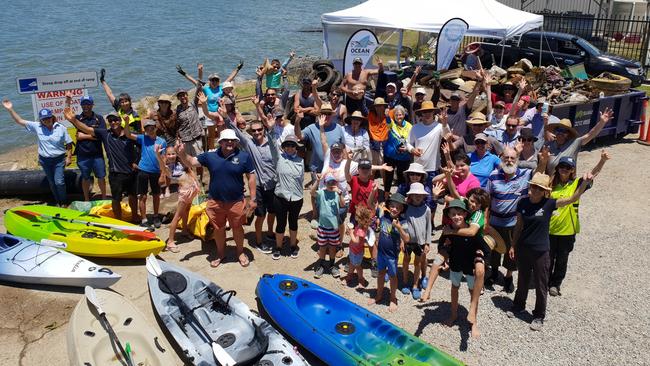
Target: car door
[569, 53]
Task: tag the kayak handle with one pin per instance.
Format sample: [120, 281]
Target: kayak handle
[160, 347]
[105, 270]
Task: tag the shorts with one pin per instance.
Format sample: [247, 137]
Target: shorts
[218, 212]
[456, 277]
[194, 147]
[122, 184]
[151, 179]
[414, 248]
[388, 264]
[264, 199]
[90, 166]
[355, 259]
[328, 236]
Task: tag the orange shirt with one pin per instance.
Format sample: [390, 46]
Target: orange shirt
[377, 127]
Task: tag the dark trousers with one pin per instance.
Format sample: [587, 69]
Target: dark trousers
[399, 167]
[561, 246]
[495, 258]
[284, 209]
[535, 263]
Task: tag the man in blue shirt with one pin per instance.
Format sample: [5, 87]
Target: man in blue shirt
[148, 169]
[227, 166]
[311, 134]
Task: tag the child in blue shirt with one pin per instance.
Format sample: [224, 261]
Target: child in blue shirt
[391, 240]
[328, 201]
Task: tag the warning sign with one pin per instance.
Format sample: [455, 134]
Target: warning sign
[55, 101]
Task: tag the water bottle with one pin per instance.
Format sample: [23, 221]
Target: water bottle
[601, 94]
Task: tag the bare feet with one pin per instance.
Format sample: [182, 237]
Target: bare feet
[362, 283]
[452, 319]
[215, 263]
[376, 300]
[475, 332]
[471, 318]
[393, 305]
[425, 296]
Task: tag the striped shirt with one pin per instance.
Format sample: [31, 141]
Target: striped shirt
[505, 194]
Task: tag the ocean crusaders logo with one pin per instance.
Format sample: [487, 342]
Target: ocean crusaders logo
[363, 44]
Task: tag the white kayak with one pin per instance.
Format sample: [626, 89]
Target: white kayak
[90, 344]
[25, 261]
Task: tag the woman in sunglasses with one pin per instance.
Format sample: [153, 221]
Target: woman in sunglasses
[54, 148]
[526, 148]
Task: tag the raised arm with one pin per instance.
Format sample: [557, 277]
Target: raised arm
[82, 127]
[10, 108]
[472, 96]
[542, 160]
[409, 86]
[297, 130]
[379, 69]
[235, 71]
[604, 156]
[189, 78]
[107, 89]
[186, 159]
[605, 117]
[164, 169]
[451, 186]
[323, 137]
[127, 130]
[520, 90]
[314, 92]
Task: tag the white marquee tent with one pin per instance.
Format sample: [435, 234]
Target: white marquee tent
[487, 18]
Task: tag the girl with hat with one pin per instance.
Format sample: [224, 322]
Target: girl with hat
[567, 142]
[165, 118]
[565, 223]
[54, 148]
[356, 138]
[530, 244]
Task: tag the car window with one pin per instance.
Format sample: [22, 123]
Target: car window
[530, 42]
[569, 48]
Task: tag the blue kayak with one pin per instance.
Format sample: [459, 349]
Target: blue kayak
[338, 331]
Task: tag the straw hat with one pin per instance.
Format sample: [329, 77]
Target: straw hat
[355, 115]
[326, 108]
[379, 101]
[542, 181]
[477, 118]
[494, 240]
[564, 123]
[165, 98]
[427, 105]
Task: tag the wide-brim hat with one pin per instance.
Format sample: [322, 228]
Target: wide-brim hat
[355, 115]
[227, 134]
[165, 98]
[379, 101]
[564, 123]
[541, 180]
[415, 168]
[494, 240]
[427, 105]
[477, 118]
[290, 139]
[416, 188]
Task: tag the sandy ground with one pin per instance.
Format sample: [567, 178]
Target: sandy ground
[602, 318]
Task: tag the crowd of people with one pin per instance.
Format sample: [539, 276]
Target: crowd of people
[380, 162]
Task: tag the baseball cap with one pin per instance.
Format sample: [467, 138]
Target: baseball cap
[567, 160]
[365, 164]
[500, 104]
[227, 84]
[149, 122]
[180, 91]
[329, 178]
[305, 81]
[86, 100]
[391, 84]
[455, 95]
[481, 136]
[357, 60]
[420, 91]
[45, 113]
[214, 75]
[278, 112]
[113, 116]
[336, 146]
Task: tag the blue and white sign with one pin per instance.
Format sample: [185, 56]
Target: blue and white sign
[47, 83]
[362, 44]
[451, 34]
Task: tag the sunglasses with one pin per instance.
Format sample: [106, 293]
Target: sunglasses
[511, 126]
[229, 140]
[480, 142]
[528, 139]
[257, 129]
[270, 95]
[291, 145]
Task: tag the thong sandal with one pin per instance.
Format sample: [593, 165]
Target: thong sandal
[172, 248]
[215, 263]
[243, 260]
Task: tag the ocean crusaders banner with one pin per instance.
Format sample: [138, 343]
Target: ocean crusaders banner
[451, 34]
[363, 44]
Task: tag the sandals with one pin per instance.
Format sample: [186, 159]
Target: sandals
[171, 247]
[215, 263]
[243, 260]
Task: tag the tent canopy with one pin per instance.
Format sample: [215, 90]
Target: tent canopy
[486, 18]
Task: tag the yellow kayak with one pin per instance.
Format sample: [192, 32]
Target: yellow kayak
[84, 234]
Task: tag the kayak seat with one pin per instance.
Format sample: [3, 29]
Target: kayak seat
[172, 282]
[7, 242]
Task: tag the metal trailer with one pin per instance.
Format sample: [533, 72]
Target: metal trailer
[627, 114]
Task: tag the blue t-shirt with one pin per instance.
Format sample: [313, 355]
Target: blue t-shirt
[226, 174]
[51, 143]
[333, 133]
[213, 97]
[148, 161]
[328, 208]
[389, 238]
[483, 167]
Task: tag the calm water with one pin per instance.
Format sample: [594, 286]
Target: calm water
[140, 42]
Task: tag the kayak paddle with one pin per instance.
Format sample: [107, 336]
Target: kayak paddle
[129, 230]
[221, 355]
[91, 295]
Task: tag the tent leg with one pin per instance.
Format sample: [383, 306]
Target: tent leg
[399, 46]
[541, 36]
[503, 47]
